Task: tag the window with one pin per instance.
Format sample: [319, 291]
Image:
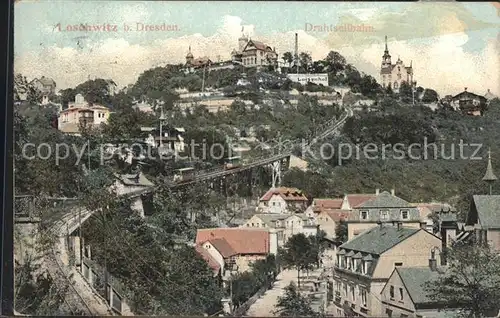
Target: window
[339, 313]
[401, 293]
[404, 214]
[274, 203]
[253, 224]
[396, 85]
[353, 294]
[391, 291]
[363, 296]
[384, 215]
[398, 264]
[388, 312]
[364, 215]
[345, 289]
[399, 68]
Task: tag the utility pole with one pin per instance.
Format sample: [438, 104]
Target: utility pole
[162, 119]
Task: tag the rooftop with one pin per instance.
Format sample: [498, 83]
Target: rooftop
[385, 200]
[359, 198]
[414, 279]
[288, 194]
[487, 207]
[379, 239]
[241, 240]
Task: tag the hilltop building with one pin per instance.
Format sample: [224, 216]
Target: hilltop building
[469, 103]
[193, 64]
[251, 53]
[393, 75]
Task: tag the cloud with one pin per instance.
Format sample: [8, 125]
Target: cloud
[436, 48]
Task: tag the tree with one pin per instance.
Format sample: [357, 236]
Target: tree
[22, 88]
[292, 304]
[430, 96]
[265, 270]
[471, 281]
[297, 254]
[341, 231]
[288, 58]
[95, 91]
[244, 285]
[305, 61]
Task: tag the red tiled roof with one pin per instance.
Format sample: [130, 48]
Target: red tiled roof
[288, 194]
[358, 199]
[241, 240]
[212, 263]
[325, 204]
[337, 214]
[223, 247]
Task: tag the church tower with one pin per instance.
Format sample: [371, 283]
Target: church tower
[386, 58]
[489, 176]
[189, 57]
[242, 41]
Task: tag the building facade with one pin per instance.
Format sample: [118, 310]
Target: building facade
[385, 208]
[80, 113]
[365, 263]
[285, 225]
[283, 201]
[393, 75]
[469, 103]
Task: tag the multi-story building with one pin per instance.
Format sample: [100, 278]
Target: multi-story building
[385, 208]
[81, 114]
[405, 293]
[322, 205]
[393, 75]
[285, 225]
[251, 53]
[283, 201]
[365, 263]
[45, 85]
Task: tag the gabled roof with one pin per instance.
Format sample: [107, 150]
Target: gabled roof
[379, 239]
[223, 247]
[288, 194]
[488, 210]
[357, 199]
[241, 240]
[212, 263]
[385, 200]
[414, 280]
[259, 46]
[46, 81]
[465, 95]
[337, 214]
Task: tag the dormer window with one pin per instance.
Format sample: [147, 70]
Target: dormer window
[404, 214]
[363, 215]
[384, 215]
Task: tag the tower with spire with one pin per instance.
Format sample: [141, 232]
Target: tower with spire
[489, 176]
[189, 57]
[393, 75]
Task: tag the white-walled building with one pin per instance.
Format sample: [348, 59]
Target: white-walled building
[81, 113]
[283, 200]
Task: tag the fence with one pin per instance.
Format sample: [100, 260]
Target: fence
[110, 290]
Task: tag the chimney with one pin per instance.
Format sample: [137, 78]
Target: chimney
[392, 192]
[465, 89]
[399, 225]
[433, 262]
[377, 191]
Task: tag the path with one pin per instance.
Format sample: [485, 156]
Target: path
[264, 306]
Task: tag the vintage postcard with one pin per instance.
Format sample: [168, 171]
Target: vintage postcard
[256, 158]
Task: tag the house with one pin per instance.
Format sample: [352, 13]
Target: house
[283, 200]
[484, 218]
[405, 294]
[489, 95]
[234, 249]
[365, 263]
[351, 201]
[327, 220]
[385, 208]
[45, 85]
[172, 139]
[251, 53]
[80, 113]
[469, 103]
[135, 186]
[285, 225]
[319, 205]
[193, 64]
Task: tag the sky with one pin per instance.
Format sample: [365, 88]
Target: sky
[451, 45]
